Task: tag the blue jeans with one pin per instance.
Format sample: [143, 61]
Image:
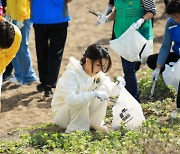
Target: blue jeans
[130, 69]
[22, 63]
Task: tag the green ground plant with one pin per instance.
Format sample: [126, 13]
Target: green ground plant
[158, 134]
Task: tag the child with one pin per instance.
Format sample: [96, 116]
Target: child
[171, 40]
[10, 39]
[82, 93]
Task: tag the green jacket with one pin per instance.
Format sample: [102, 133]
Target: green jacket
[128, 12]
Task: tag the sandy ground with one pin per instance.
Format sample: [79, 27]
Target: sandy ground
[23, 106]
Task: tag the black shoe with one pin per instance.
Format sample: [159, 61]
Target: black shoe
[48, 92]
[7, 77]
[40, 87]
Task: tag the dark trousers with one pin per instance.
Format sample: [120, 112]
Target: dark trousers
[129, 69]
[178, 97]
[50, 41]
[151, 62]
[8, 71]
[152, 59]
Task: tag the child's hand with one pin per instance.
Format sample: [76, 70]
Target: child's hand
[102, 95]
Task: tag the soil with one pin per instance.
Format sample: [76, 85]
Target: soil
[22, 106]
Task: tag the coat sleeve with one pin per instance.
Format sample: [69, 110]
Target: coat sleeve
[23, 9]
[68, 89]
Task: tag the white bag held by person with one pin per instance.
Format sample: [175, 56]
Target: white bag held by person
[127, 110]
[129, 44]
[147, 51]
[171, 74]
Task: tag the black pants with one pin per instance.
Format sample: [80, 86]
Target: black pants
[8, 71]
[151, 62]
[50, 41]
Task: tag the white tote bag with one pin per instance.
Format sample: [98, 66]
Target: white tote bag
[127, 110]
[129, 44]
[171, 75]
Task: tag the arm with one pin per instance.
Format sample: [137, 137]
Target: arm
[112, 15]
[165, 48]
[69, 91]
[150, 8]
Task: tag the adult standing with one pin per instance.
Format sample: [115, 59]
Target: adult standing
[50, 21]
[19, 11]
[125, 14]
[171, 36]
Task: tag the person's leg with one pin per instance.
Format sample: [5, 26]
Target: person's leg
[97, 113]
[41, 43]
[178, 98]
[22, 63]
[152, 59]
[79, 118]
[57, 34]
[8, 72]
[129, 69]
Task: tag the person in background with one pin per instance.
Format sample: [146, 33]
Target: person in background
[19, 11]
[126, 13]
[171, 40]
[50, 22]
[83, 90]
[8, 46]
[1, 8]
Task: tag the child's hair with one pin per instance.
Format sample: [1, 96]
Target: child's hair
[7, 34]
[173, 7]
[97, 52]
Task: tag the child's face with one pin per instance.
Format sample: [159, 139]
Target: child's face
[96, 67]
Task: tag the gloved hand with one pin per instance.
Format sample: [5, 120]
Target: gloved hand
[101, 19]
[120, 81]
[108, 10]
[19, 24]
[138, 23]
[102, 95]
[155, 74]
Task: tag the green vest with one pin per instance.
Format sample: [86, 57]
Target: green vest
[128, 12]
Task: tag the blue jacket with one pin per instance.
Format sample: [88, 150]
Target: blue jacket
[174, 31]
[49, 11]
[171, 36]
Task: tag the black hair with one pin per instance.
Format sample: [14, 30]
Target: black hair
[173, 7]
[7, 34]
[97, 52]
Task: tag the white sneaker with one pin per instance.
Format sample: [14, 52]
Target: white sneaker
[175, 112]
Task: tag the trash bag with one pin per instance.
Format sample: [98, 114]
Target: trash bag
[147, 51]
[129, 44]
[171, 74]
[127, 110]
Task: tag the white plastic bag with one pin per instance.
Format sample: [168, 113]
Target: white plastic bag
[129, 44]
[147, 51]
[171, 75]
[127, 110]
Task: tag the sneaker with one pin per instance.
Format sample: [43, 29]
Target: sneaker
[48, 92]
[175, 112]
[15, 81]
[40, 87]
